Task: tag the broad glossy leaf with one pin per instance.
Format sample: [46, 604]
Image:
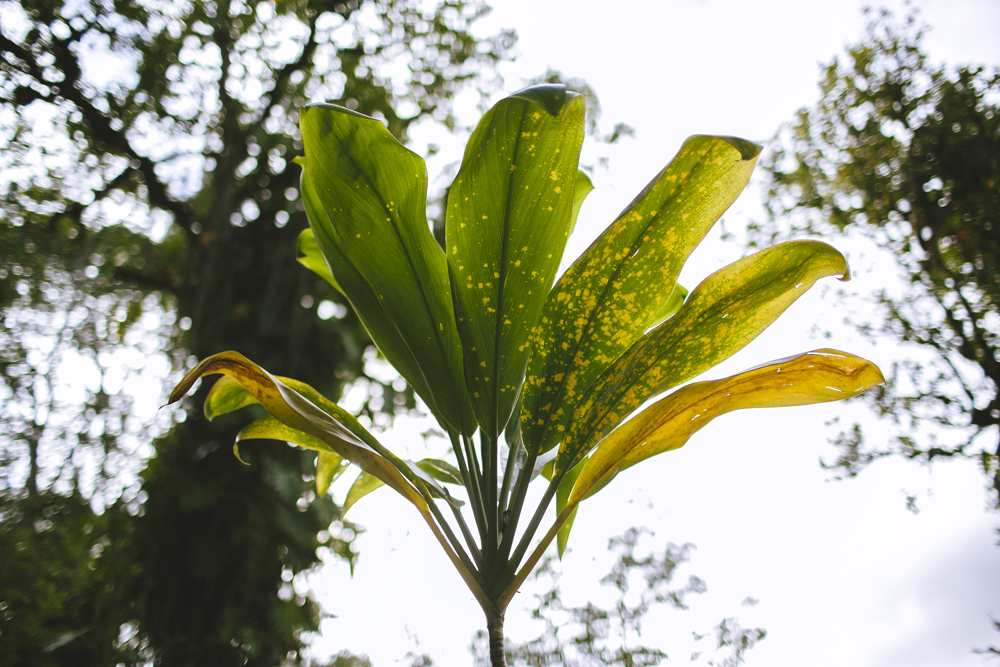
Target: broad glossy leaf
[813, 377]
[724, 313]
[509, 213]
[612, 294]
[312, 258]
[366, 196]
[362, 486]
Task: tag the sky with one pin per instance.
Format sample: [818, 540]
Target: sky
[844, 573]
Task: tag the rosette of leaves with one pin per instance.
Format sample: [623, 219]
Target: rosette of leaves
[533, 381]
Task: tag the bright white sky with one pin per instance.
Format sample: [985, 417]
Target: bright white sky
[844, 573]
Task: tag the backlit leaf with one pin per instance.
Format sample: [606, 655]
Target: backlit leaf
[329, 467]
[612, 294]
[366, 197]
[509, 212]
[362, 486]
[724, 313]
[312, 258]
[226, 395]
[814, 377]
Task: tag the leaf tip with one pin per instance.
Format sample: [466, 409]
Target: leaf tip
[236, 451]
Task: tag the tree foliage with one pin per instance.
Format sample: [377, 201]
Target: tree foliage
[907, 153]
[149, 215]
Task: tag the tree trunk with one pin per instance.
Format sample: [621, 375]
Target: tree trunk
[494, 626]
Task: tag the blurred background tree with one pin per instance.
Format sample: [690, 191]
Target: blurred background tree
[907, 154]
[149, 217]
[593, 636]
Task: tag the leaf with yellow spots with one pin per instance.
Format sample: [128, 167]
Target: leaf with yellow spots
[509, 213]
[366, 198]
[819, 376]
[725, 312]
[614, 292]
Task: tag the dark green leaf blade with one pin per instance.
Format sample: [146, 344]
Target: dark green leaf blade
[611, 295]
[813, 377]
[373, 196]
[724, 313]
[509, 213]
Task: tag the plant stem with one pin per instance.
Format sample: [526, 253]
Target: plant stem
[473, 549]
[494, 628]
[489, 444]
[471, 485]
[516, 503]
[508, 473]
[529, 565]
[476, 492]
[529, 532]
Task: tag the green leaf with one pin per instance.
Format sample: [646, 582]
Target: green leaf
[312, 258]
[362, 486]
[329, 467]
[442, 471]
[562, 499]
[613, 293]
[724, 313]
[583, 188]
[366, 197]
[435, 468]
[269, 428]
[337, 429]
[509, 213]
[813, 377]
[671, 305]
[226, 395]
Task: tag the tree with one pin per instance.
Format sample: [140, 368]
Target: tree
[146, 151]
[482, 335]
[907, 153]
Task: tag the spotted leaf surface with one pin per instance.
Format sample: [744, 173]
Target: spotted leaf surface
[613, 293]
[724, 313]
[509, 213]
[366, 197]
[813, 377]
